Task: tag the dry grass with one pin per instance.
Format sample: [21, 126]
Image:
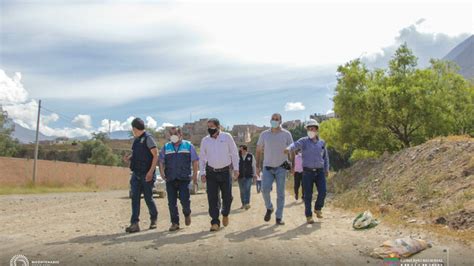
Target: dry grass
[52, 187]
[425, 182]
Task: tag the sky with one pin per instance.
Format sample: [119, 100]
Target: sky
[171, 62]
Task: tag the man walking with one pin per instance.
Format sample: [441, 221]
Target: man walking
[143, 163]
[315, 168]
[176, 159]
[248, 172]
[218, 156]
[272, 143]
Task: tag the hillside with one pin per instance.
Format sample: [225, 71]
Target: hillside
[432, 183]
[463, 55]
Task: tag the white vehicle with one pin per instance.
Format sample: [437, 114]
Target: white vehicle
[159, 187]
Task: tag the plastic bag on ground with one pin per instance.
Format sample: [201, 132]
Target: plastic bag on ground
[400, 248]
[364, 220]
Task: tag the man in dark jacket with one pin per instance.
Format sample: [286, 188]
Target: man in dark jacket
[247, 173]
[143, 161]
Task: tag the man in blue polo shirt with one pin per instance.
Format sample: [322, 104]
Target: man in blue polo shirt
[143, 161]
[315, 168]
[176, 158]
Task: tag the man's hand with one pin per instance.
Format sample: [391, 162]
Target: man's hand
[286, 151]
[236, 174]
[258, 170]
[149, 177]
[326, 174]
[195, 178]
[203, 178]
[292, 170]
[126, 158]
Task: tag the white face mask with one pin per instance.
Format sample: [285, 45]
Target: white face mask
[312, 134]
[174, 138]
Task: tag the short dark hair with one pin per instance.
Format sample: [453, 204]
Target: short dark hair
[215, 121]
[279, 115]
[243, 146]
[138, 124]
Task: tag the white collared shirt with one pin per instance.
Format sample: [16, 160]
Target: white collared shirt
[218, 152]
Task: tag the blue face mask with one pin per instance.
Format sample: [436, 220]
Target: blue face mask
[274, 123]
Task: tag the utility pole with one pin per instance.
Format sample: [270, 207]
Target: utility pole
[110, 127]
[37, 142]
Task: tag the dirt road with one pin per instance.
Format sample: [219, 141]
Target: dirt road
[88, 229]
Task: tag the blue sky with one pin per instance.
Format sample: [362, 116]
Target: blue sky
[91, 61]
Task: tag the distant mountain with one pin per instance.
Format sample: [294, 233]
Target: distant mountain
[24, 135]
[121, 134]
[463, 55]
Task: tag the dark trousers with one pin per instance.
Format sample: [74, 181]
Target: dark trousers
[298, 182]
[178, 189]
[309, 179]
[138, 186]
[215, 182]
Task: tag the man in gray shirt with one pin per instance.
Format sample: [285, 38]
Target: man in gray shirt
[272, 143]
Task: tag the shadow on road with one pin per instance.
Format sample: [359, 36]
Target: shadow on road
[304, 229]
[159, 238]
[256, 232]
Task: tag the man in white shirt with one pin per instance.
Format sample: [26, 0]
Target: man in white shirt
[217, 157]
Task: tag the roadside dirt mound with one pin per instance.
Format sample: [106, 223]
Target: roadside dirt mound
[432, 182]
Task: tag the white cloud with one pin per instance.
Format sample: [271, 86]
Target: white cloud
[150, 122]
[164, 125]
[425, 45]
[14, 100]
[11, 89]
[294, 106]
[115, 125]
[83, 121]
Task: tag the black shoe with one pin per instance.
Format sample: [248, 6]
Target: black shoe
[133, 228]
[153, 224]
[280, 222]
[268, 215]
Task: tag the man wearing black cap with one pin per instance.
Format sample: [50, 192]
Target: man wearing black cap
[143, 163]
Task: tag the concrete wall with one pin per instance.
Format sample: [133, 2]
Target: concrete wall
[16, 171]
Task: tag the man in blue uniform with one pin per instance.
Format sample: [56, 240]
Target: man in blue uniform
[176, 159]
[143, 163]
[315, 168]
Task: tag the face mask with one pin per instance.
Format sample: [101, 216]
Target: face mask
[212, 131]
[174, 138]
[275, 124]
[312, 134]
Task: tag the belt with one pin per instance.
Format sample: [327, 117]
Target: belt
[271, 168]
[307, 169]
[217, 170]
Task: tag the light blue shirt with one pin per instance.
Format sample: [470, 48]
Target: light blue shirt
[314, 152]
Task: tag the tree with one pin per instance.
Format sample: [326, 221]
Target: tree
[8, 146]
[101, 136]
[298, 132]
[401, 106]
[103, 155]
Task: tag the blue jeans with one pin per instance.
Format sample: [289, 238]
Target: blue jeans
[138, 186]
[245, 184]
[258, 185]
[178, 189]
[309, 179]
[279, 175]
